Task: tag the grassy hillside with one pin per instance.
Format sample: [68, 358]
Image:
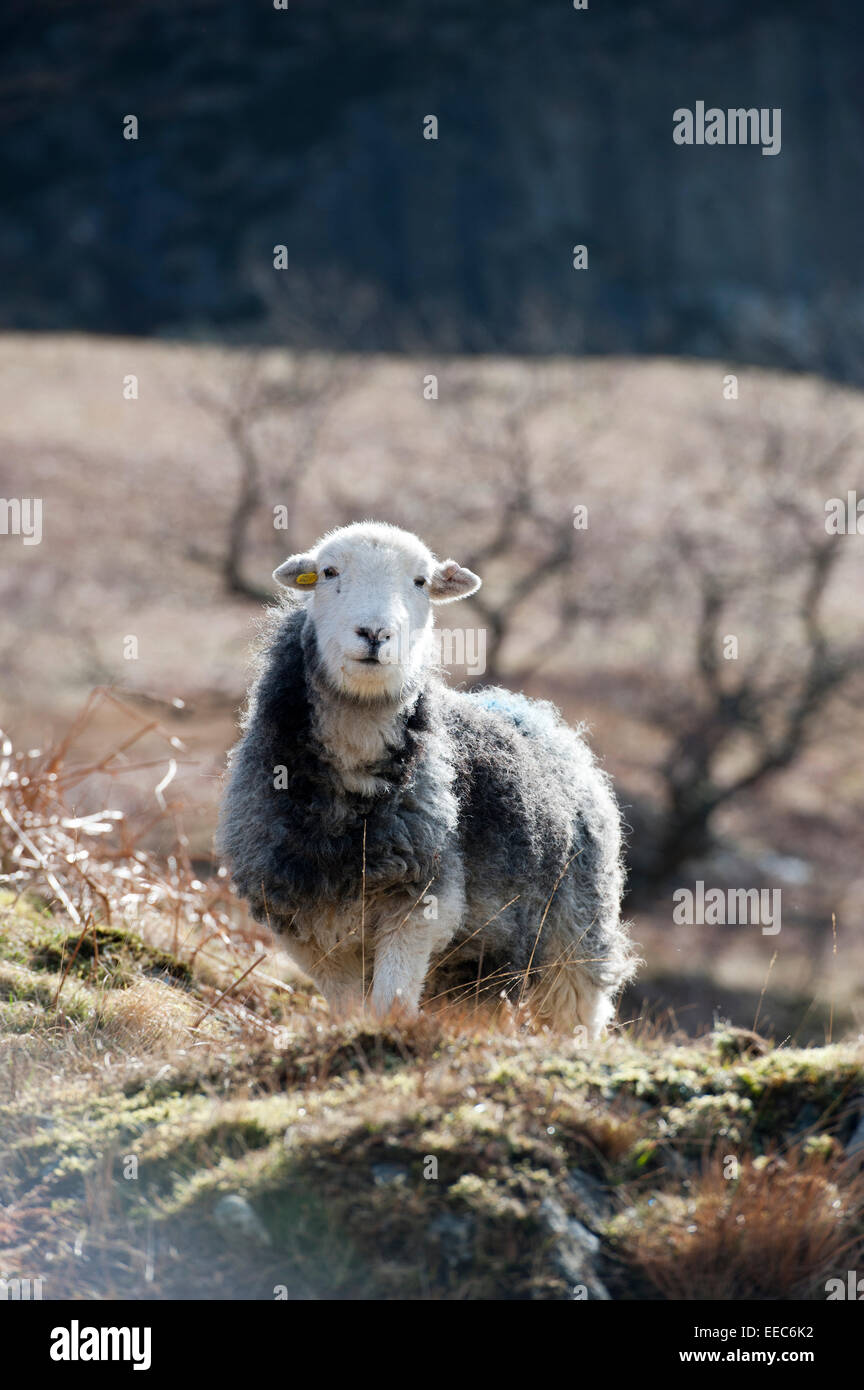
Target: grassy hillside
[158, 1140]
[178, 1115]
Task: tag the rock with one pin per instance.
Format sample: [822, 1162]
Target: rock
[739, 1042]
[389, 1174]
[806, 1119]
[239, 1222]
[856, 1139]
[455, 1237]
[575, 1249]
[594, 1200]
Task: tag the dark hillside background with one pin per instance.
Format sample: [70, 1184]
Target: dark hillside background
[303, 127]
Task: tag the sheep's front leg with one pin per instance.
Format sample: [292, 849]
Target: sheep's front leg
[411, 932]
[401, 962]
[402, 952]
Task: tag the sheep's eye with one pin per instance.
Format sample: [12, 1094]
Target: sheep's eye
[420, 582]
[330, 573]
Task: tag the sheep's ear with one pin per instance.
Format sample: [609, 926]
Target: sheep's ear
[297, 572]
[451, 581]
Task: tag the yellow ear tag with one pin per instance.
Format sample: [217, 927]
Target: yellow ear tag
[310, 578]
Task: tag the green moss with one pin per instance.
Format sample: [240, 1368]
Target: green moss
[20, 986]
[111, 956]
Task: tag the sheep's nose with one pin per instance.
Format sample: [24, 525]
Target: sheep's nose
[374, 635]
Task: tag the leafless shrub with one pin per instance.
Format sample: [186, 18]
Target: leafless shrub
[91, 866]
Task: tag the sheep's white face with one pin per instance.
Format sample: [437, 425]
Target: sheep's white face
[370, 589]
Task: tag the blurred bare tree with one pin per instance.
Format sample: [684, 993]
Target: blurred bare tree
[272, 409]
[765, 651]
[524, 531]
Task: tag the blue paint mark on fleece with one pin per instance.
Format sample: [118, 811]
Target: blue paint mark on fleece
[532, 717]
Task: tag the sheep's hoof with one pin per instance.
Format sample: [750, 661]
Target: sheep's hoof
[393, 1011]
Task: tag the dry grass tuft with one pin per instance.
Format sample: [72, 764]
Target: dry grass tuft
[150, 1015]
[777, 1231]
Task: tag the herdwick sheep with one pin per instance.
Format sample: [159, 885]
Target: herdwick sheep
[400, 834]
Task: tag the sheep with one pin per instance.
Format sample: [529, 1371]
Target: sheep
[408, 840]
